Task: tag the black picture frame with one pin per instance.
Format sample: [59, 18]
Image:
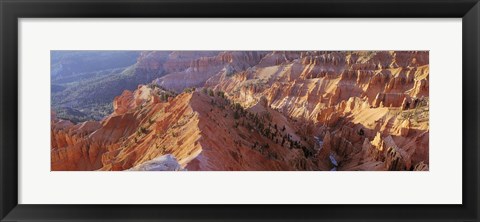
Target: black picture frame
[12, 10]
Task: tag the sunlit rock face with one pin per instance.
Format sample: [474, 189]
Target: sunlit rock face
[282, 110]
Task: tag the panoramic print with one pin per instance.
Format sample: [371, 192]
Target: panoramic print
[239, 110]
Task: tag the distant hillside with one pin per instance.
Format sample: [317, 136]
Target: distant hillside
[85, 82]
[66, 65]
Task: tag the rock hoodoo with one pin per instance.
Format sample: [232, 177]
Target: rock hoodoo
[282, 110]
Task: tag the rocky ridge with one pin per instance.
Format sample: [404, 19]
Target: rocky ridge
[263, 111]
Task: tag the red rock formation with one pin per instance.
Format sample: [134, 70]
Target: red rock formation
[203, 68]
[370, 110]
[189, 127]
[182, 60]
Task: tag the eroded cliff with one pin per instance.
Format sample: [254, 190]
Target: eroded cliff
[262, 111]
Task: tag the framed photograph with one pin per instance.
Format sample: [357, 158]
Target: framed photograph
[226, 110]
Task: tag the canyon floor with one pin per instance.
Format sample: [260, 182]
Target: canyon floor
[249, 111]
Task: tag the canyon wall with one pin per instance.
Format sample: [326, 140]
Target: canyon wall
[281, 110]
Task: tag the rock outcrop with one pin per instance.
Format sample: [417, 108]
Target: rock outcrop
[161, 163]
[261, 111]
